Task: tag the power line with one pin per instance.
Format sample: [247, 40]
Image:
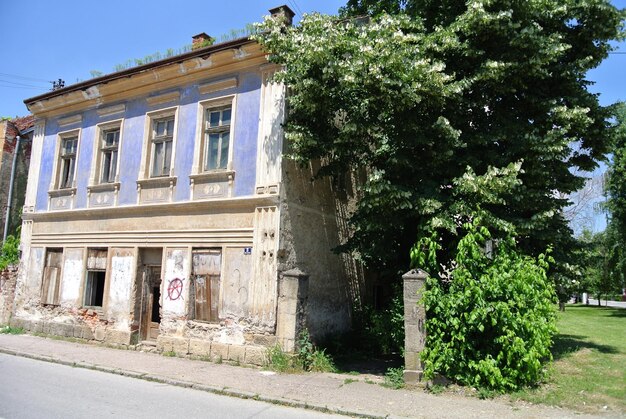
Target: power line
[23, 87]
[24, 77]
[20, 84]
[295, 6]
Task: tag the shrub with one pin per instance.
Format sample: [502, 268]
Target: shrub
[9, 254]
[490, 321]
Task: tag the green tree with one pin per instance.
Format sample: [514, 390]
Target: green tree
[445, 91]
[616, 204]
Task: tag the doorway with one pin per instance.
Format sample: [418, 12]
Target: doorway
[152, 314]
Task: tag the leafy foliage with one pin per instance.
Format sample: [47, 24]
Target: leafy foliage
[616, 206]
[439, 93]
[394, 378]
[490, 320]
[9, 254]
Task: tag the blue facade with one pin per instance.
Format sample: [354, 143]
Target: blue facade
[243, 142]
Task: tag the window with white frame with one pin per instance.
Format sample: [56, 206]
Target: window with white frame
[109, 145]
[161, 145]
[217, 138]
[67, 162]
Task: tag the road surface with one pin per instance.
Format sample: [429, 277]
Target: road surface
[37, 389]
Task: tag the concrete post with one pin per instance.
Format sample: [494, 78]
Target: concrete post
[293, 289]
[414, 324]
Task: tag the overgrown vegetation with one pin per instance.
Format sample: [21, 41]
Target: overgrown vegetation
[394, 378]
[9, 254]
[307, 357]
[379, 331]
[491, 318]
[10, 330]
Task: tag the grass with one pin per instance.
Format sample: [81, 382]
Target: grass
[9, 330]
[589, 369]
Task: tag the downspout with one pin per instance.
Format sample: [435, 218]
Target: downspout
[10, 198]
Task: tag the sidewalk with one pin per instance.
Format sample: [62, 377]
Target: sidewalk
[325, 392]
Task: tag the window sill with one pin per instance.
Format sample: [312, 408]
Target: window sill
[62, 192]
[156, 182]
[104, 187]
[215, 175]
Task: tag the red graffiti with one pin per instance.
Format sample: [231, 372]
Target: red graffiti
[175, 289]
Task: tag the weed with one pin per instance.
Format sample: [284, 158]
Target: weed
[312, 358]
[219, 360]
[307, 357]
[435, 389]
[485, 393]
[349, 381]
[10, 330]
[278, 360]
[170, 354]
[394, 378]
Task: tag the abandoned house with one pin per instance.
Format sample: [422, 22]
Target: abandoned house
[160, 211]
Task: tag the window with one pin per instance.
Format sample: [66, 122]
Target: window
[109, 144]
[51, 284]
[206, 269]
[217, 138]
[96, 276]
[67, 162]
[162, 139]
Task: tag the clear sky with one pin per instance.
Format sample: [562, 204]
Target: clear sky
[44, 40]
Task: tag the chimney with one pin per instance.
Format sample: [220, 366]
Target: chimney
[201, 40]
[283, 12]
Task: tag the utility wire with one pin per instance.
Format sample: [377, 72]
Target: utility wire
[295, 6]
[23, 87]
[20, 84]
[24, 77]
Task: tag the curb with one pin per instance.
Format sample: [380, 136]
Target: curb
[224, 391]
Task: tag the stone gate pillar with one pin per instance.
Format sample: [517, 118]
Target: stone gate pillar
[414, 324]
[293, 289]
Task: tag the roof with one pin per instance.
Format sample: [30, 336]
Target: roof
[200, 52]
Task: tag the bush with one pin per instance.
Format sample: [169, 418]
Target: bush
[490, 321]
[9, 254]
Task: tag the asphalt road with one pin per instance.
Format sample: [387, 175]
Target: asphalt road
[37, 389]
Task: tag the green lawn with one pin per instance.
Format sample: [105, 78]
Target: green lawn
[589, 369]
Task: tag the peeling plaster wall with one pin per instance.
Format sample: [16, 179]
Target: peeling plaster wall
[311, 226]
[121, 278]
[72, 279]
[177, 264]
[244, 137]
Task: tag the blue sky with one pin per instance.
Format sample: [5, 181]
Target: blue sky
[45, 40]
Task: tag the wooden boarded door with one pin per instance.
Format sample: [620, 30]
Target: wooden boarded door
[206, 272]
[151, 309]
[50, 287]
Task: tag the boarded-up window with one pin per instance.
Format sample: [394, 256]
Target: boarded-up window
[96, 275]
[206, 265]
[51, 284]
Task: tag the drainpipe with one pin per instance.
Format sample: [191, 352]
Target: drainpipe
[10, 198]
